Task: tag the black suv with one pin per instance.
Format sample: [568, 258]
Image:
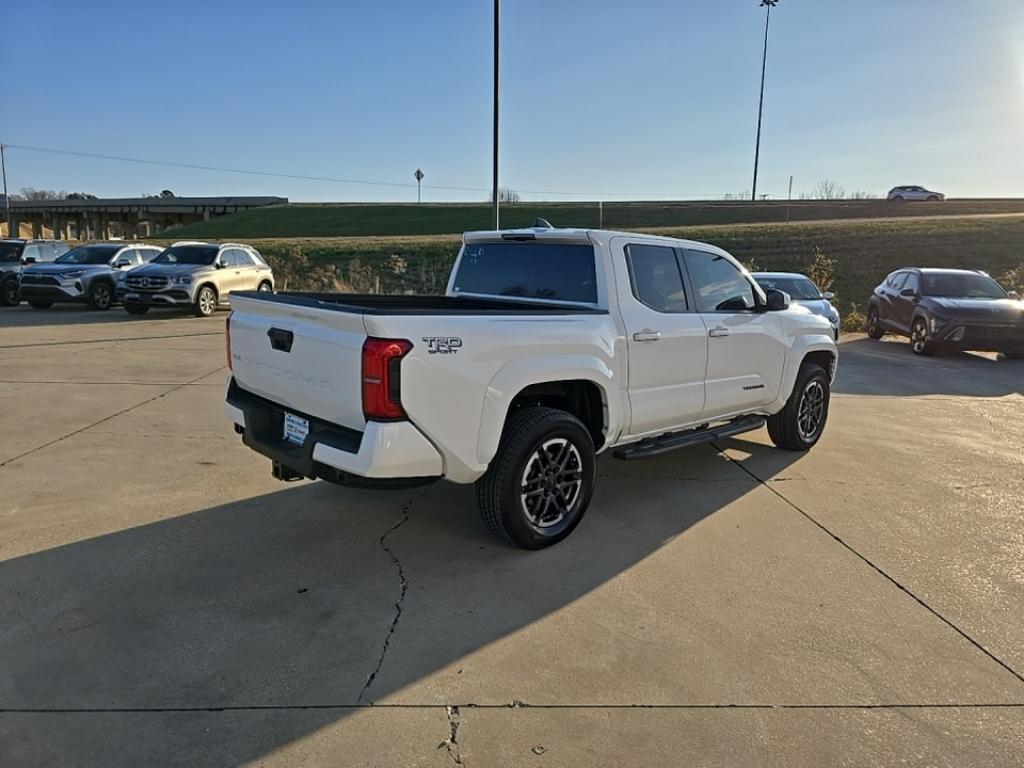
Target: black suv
[954, 308]
[14, 253]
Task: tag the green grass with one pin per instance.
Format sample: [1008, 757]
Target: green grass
[373, 219]
[865, 251]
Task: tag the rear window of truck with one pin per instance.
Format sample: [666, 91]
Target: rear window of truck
[529, 270]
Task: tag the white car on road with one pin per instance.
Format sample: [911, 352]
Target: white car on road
[550, 346]
[912, 192]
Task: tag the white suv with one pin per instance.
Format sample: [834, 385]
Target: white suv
[911, 192]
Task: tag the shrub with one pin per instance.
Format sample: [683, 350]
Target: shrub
[854, 321]
[1013, 279]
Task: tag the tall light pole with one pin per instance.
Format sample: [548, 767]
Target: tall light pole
[494, 165]
[7, 198]
[767, 4]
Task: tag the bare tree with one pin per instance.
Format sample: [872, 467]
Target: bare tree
[30, 193]
[505, 195]
[828, 189]
[860, 194]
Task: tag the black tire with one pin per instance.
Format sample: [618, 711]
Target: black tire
[9, 293]
[792, 428]
[898, 198]
[535, 441]
[265, 286]
[136, 309]
[920, 344]
[40, 304]
[101, 295]
[874, 324]
[933, 199]
[205, 304]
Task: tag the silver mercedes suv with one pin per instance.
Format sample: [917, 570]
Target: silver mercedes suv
[196, 275]
[86, 274]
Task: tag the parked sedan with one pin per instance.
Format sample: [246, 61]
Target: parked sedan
[954, 308]
[801, 290]
[911, 192]
[87, 274]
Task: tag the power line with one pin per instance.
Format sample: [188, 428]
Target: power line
[335, 180]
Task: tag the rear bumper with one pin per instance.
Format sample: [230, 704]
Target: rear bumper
[384, 451]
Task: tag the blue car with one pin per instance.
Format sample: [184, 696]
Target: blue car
[802, 290]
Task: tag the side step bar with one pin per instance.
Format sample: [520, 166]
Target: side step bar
[672, 440]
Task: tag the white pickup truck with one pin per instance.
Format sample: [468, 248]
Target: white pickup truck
[549, 347]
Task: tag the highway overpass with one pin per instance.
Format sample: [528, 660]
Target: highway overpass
[128, 217]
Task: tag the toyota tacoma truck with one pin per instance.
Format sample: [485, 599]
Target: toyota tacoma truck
[549, 347]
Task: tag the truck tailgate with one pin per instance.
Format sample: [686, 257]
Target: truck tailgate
[302, 357]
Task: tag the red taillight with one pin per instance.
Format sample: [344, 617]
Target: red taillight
[227, 339]
[382, 375]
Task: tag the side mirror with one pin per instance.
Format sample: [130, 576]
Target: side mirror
[777, 300]
[218, 265]
[122, 263]
[28, 259]
[828, 295]
[908, 292]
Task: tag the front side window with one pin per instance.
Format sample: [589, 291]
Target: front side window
[197, 255]
[655, 277]
[896, 280]
[242, 258]
[911, 282]
[148, 254]
[529, 270]
[718, 284]
[10, 253]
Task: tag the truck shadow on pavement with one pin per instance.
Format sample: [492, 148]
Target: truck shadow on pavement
[889, 368]
[301, 605]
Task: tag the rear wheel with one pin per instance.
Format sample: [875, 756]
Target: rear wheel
[874, 324]
[136, 309]
[265, 287]
[799, 425]
[539, 483]
[898, 197]
[101, 295]
[920, 344]
[206, 302]
[9, 293]
[40, 304]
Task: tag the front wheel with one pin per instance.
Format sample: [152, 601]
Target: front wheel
[9, 293]
[539, 483]
[919, 341]
[874, 325]
[101, 295]
[40, 304]
[799, 425]
[206, 302]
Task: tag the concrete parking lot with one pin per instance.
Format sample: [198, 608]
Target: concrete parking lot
[164, 601]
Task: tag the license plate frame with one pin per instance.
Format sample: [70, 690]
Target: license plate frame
[296, 429]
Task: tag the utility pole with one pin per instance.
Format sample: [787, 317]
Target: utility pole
[7, 198]
[768, 4]
[789, 197]
[419, 177]
[494, 168]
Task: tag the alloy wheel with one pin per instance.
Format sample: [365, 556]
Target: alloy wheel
[101, 296]
[918, 337]
[551, 483]
[811, 410]
[10, 293]
[207, 301]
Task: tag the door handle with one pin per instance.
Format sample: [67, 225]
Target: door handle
[646, 335]
[719, 332]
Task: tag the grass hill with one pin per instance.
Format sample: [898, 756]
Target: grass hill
[864, 251]
[380, 219]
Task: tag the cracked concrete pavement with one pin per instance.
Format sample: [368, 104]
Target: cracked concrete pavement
[166, 602]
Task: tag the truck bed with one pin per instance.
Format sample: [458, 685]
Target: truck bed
[381, 304]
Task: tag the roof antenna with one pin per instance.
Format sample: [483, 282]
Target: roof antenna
[540, 223]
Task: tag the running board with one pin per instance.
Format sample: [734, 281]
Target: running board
[673, 440]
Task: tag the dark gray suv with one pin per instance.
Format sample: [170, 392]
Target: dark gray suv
[14, 254]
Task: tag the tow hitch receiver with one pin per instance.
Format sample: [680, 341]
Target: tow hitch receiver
[284, 473]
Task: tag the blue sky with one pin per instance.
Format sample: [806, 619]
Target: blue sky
[646, 99]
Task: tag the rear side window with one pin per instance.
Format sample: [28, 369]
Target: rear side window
[657, 281]
[529, 270]
[242, 258]
[717, 283]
